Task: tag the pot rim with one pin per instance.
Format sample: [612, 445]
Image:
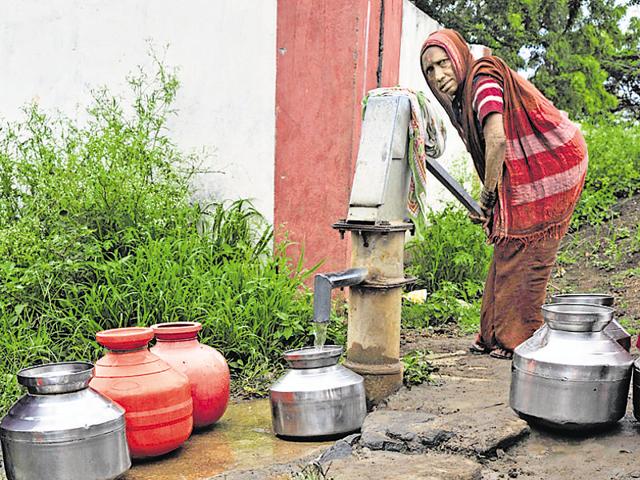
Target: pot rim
[123, 339]
[59, 377]
[176, 330]
[313, 357]
[577, 317]
[603, 299]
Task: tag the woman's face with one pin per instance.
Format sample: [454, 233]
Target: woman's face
[438, 70]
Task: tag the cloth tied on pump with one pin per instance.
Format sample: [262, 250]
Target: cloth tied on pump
[427, 136]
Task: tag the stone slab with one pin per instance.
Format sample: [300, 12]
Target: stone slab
[470, 433]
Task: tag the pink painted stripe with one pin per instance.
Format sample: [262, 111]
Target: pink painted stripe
[551, 185]
[528, 145]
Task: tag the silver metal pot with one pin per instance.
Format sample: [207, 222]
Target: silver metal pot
[613, 329]
[636, 389]
[63, 430]
[571, 375]
[317, 397]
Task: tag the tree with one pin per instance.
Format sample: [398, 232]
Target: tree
[575, 51]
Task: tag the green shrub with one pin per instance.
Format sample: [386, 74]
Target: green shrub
[613, 173]
[450, 305]
[417, 368]
[98, 230]
[449, 248]
[450, 258]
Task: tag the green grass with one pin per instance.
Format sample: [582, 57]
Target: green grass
[313, 471]
[450, 257]
[613, 173]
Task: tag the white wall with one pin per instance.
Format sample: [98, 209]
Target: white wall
[416, 27]
[54, 51]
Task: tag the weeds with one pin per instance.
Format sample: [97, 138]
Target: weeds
[448, 248]
[98, 230]
[450, 258]
[313, 471]
[613, 173]
[417, 368]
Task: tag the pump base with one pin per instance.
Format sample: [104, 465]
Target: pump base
[380, 381]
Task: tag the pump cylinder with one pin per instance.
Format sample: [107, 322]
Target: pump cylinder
[373, 335]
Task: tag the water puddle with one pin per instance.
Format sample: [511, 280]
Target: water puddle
[242, 439]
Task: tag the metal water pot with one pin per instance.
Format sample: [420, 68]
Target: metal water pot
[317, 397]
[613, 329]
[571, 375]
[63, 430]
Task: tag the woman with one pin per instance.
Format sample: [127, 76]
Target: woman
[532, 162]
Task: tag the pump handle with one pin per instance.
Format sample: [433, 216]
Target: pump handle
[454, 187]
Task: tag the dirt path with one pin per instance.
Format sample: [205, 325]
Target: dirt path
[461, 427]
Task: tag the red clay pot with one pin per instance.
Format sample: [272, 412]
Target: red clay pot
[155, 397]
[207, 370]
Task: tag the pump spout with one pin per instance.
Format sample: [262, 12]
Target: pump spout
[325, 282]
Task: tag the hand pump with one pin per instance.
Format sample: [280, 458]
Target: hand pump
[377, 220]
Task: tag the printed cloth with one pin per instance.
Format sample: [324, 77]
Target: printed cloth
[546, 155]
[427, 136]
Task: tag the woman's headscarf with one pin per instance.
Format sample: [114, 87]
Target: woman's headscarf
[461, 60]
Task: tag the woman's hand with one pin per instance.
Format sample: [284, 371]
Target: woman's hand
[487, 201]
[483, 220]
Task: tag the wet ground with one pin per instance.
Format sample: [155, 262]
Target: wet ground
[461, 427]
[242, 439]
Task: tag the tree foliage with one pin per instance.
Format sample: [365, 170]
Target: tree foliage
[579, 53]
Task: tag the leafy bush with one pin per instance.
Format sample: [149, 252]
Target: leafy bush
[417, 368]
[98, 230]
[448, 306]
[449, 248]
[613, 173]
[450, 257]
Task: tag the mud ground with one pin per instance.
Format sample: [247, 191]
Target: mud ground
[461, 427]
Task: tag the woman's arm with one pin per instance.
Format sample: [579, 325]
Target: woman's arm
[495, 146]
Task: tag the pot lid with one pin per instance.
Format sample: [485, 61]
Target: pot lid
[176, 330]
[122, 339]
[585, 298]
[313, 357]
[576, 317]
[54, 378]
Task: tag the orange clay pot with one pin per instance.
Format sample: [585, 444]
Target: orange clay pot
[155, 397]
[207, 370]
